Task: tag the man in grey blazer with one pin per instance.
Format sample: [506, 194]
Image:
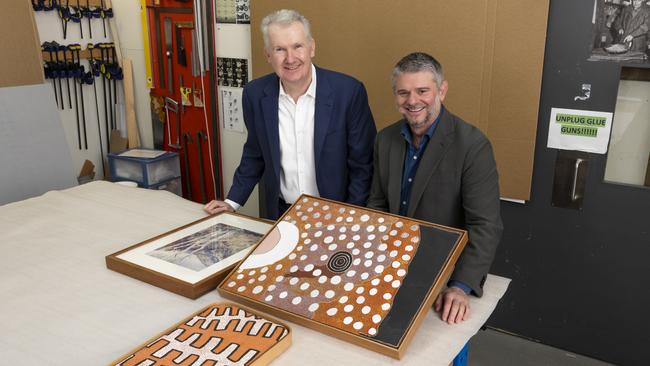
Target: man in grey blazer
[433, 166]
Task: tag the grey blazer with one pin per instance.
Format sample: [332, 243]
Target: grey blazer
[456, 185]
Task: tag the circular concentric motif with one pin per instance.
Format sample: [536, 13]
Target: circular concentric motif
[340, 262]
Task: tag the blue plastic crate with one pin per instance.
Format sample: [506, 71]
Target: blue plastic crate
[145, 171]
[172, 185]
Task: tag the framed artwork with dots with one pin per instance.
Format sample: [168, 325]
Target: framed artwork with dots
[361, 275]
[192, 259]
[219, 334]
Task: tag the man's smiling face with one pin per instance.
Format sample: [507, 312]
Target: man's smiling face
[419, 99]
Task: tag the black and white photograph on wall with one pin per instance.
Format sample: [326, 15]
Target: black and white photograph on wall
[621, 31]
[232, 71]
[233, 11]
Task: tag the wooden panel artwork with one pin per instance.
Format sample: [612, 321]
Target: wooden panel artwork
[358, 274]
[220, 334]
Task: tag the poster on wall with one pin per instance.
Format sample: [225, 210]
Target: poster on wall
[361, 275]
[572, 129]
[620, 31]
[233, 11]
[232, 72]
[231, 106]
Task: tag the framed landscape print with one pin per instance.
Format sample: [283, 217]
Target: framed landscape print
[220, 334]
[192, 259]
[361, 275]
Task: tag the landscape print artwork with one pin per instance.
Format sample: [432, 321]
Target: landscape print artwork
[360, 271]
[206, 247]
[192, 259]
[220, 334]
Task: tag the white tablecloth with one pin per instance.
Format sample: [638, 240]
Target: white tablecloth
[60, 305]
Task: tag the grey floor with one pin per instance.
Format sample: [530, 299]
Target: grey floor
[491, 347]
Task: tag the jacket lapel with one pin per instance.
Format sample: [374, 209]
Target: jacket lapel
[396, 166]
[322, 112]
[270, 116]
[433, 155]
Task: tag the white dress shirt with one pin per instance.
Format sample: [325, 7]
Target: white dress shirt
[297, 160]
[296, 126]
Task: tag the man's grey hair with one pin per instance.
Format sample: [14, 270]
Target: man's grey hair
[416, 62]
[283, 17]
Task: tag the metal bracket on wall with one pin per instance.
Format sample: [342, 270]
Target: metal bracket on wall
[570, 179]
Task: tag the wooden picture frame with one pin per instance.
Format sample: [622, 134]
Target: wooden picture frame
[165, 261]
[361, 275]
[219, 332]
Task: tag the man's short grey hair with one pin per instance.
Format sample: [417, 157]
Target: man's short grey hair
[416, 62]
[283, 17]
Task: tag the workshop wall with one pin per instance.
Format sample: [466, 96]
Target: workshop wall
[128, 27]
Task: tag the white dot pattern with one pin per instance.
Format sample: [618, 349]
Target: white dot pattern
[355, 299]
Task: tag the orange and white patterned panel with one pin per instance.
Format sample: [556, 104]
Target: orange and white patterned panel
[331, 263]
[221, 334]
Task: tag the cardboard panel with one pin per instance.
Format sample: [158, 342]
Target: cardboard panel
[20, 63]
[491, 52]
[513, 154]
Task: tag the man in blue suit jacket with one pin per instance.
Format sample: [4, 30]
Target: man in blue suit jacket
[310, 130]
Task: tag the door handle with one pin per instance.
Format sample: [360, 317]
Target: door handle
[570, 179]
[574, 184]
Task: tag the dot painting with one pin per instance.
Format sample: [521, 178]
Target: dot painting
[331, 263]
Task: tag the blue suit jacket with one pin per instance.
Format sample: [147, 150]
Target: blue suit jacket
[344, 134]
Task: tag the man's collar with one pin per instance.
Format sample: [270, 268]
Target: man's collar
[311, 90]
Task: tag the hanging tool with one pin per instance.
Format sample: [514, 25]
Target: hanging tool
[94, 71]
[88, 14]
[199, 29]
[172, 105]
[38, 5]
[57, 71]
[180, 46]
[101, 67]
[168, 53]
[102, 14]
[187, 138]
[196, 94]
[204, 33]
[194, 56]
[114, 71]
[199, 141]
[185, 94]
[64, 15]
[78, 77]
[66, 68]
[78, 17]
[49, 69]
[76, 101]
[107, 76]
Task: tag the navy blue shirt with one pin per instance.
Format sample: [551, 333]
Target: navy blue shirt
[412, 161]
